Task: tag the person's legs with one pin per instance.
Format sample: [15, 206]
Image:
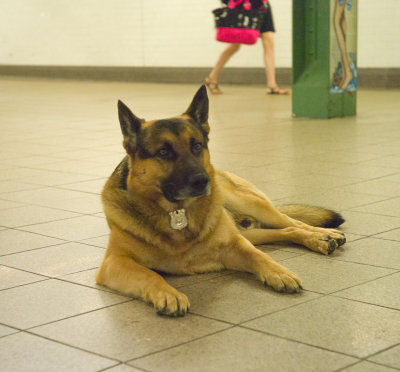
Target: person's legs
[339, 23]
[268, 43]
[212, 80]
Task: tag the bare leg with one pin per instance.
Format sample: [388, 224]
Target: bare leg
[268, 43]
[212, 79]
[339, 23]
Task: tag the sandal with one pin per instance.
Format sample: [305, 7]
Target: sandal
[212, 86]
[277, 90]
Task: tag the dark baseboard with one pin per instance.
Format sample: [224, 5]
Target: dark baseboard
[368, 77]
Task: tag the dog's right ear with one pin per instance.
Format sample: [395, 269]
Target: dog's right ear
[130, 126]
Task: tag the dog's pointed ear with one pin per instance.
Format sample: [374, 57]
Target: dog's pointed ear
[198, 109]
[130, 126]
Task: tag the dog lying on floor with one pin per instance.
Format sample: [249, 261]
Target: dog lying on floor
[169, 210]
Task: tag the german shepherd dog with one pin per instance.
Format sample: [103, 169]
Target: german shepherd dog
[170, 211]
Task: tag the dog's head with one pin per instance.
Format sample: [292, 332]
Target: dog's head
[169, 156]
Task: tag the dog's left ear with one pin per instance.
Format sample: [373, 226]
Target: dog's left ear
[198, 109]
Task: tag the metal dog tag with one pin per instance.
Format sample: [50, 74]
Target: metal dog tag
[178, 219]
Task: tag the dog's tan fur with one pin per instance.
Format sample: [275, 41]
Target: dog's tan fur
[222, 225]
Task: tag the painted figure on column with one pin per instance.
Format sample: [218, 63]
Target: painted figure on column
[345, 74]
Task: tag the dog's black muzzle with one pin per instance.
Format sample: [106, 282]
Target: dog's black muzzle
[181, 187]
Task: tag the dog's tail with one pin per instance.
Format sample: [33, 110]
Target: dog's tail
[314, 216]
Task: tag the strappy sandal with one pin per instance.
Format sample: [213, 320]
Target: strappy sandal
[277, 90]
[212, 86]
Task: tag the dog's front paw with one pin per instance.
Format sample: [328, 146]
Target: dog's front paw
[168, 301]
[281, 279]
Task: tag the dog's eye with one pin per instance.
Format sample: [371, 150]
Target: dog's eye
[197, 147]
[163, 152]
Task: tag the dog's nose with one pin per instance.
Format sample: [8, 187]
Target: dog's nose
[199, 182]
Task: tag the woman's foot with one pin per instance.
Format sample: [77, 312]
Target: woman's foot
[212, 86]
[346, 80]
[277, 90]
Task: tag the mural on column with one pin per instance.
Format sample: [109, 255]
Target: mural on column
[343, 46]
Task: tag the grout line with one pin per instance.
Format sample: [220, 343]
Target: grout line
[299, 342]
[68, 345]
[367, 359]
[29, 329]
[182, 343]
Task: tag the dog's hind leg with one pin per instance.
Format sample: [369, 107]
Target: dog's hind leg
[243, 198]
[316, 241]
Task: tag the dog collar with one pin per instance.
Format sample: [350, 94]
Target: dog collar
[178, 219]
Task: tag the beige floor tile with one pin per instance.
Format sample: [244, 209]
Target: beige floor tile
[12, 186]
[389, 357]
[43, 302]
[333, 199]
[372, 251]
[375, 187]
[393, 178]
[236, 298]
[44, 196]
[85, 167]
[368, 224]
[86, 278]
[278, 191]
[346, 156]
[123, 368]
[87, 204]
[43, 177]
[13, 241]
[10, 277]
[368, 367]
[77, 228]
[327, 274]
[239, 349]
[361, 171]
[56, 260]
[391, 161]
[4, 331]
[25, 352]
[364, 329]
[322, 182]
[388, 148]
[32, 160]
[100, 241]
[382, 292]
[352, 237]
[128, 331]
[390, 235]
[390, 207]
[5, 204]
[92, 154]
[266, 175]
[93, 186]
[31, 214]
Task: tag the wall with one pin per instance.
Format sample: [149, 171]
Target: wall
[162, 33]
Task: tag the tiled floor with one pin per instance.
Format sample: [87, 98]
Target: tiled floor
[59, 142]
